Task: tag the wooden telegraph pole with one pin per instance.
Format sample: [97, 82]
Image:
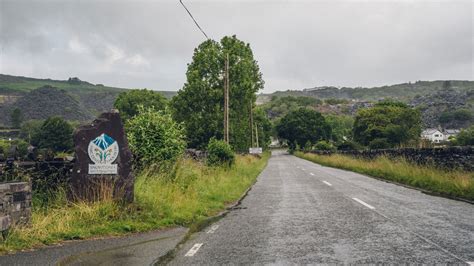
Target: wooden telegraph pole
[226, 100]
[251, 122]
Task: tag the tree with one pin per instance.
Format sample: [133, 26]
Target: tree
[16, 117]
[466, 136]
[154, 137]
[387, 124]
[129, 101]
[200, 103]
[264, 127]
[30, 131]
[55, 134]
[303, 125]
[341, 126]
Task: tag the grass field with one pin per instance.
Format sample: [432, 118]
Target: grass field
[196, 192]
[444, 182]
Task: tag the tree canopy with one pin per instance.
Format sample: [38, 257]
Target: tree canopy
[387, 124]
[466, 136]
[55, 134]
[200, 103]
[302, 126]
[128, 102]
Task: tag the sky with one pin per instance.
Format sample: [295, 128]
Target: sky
[298, 44]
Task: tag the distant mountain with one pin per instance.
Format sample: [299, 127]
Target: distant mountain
[446, 103]
[72, 99]
[404, 92]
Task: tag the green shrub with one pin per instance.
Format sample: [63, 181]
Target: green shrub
[380, 143]
[308, 146]
[55, 134]
[324, 146]
[348, 145]
[466, 136]
[155, 138]
[219, 153]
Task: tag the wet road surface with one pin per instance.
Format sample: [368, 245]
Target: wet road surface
[299, 212]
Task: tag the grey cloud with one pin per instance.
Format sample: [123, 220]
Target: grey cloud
[298, 44]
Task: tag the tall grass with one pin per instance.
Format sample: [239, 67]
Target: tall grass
[195, 192]
[445, 182]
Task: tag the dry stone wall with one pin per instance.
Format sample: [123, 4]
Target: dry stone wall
[15, 205]
[449, 157]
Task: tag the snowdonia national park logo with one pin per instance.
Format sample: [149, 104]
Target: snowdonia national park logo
[103, 151]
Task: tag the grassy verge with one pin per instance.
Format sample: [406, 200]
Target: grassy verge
[449, 183]
[196, 192]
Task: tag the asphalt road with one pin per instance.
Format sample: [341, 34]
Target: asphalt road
[299, 212]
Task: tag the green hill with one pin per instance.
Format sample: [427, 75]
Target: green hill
[403, 92]
[72, 99]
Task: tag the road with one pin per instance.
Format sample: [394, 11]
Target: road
[299, 212]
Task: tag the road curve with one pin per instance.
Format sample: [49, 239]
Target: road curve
[299, 212]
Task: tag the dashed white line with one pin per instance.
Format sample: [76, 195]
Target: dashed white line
[193, 250]
[302, 169]
[213, 229]
[327, 183]
[363, 203]
[311, 173]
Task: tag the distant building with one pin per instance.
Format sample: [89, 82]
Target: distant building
[451, 133]
[433, 135]
[436, 135]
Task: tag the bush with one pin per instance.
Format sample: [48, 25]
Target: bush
[348, 145]
[219, 153]
[324, 146]
[466, 136]
[155, 138]
[380, 143]
[55, 134]
[308, 146]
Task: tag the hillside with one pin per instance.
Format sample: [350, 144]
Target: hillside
[73, 99]
[403, 92]
[449, 104]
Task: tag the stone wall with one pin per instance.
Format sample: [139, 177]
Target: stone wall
[449, 157]
[15, 204]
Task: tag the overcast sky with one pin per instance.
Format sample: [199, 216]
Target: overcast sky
[298, 44]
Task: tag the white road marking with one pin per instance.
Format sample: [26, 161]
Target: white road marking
[471, 263]
[302, 169]
[327, 183]
[193, 250]
[311, 173]
[213, 229]
[363, 203]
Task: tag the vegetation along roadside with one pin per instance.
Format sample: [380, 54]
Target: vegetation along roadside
[451, 183]
[196, 191]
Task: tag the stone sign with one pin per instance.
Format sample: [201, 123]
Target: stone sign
[103, 160]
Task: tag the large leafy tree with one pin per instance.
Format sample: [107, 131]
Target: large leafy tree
[466, 136]
[200, 103]
[128, 102]
[302, 126]
[55, 134]
[387, 124]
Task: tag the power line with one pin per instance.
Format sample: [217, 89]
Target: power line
[191, 15]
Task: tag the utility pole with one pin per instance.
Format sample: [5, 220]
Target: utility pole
[226, 100]
[256, 133]
[251, 122]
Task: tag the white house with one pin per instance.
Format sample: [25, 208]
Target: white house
[437, 136]
[433, 135]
